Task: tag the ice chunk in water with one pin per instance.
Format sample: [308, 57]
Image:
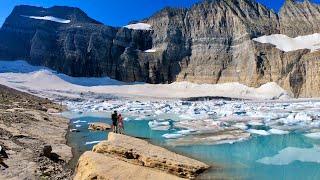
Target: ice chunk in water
[172, 136]
[79, 121]
[302, 116]
[291, 154]
[315, 135]
[159, 125]
[186, 132]
[242, 126]
[260, 132]
[278, 131]
[92, 142]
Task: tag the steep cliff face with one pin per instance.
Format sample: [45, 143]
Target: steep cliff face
[299, 18]
[212, 42]
[67, 40]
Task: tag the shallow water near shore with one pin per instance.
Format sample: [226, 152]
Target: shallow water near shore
[289, 156]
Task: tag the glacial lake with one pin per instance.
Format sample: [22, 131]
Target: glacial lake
[289, 156]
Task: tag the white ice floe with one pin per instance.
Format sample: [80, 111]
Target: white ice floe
[159, 125]
[49, 18]
[291, 154]
[79, 121]
[315, 135]
[287, 44]
[242, 126]
[139, 26]
[92, 142]
[172, 136]
[186, 131]
[259, 132]
[278, 131]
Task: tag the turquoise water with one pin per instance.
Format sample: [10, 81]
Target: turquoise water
[291, 156]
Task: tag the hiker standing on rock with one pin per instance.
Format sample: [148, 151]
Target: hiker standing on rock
[120, 124]
[114, 118]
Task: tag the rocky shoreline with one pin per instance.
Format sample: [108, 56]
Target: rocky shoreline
[28, 124]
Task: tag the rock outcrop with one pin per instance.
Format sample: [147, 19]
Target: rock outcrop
[98, 126]
[128, 152]
[98, 166]
[211, 42]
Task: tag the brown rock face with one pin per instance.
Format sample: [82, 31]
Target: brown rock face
[299, 18]
[311, 75]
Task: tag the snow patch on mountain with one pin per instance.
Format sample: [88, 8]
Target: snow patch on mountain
[139, 26]
[49, 18]
[288, 44]
[150, 50]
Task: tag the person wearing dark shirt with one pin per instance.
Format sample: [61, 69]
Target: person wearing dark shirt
[114, 118]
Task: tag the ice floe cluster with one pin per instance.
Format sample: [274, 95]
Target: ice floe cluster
[215, 121]
[210, 121]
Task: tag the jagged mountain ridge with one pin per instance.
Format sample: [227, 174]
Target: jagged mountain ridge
[209, 43]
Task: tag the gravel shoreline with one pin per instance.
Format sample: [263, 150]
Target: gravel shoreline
[28, 124]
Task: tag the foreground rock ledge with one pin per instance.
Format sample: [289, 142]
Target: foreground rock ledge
[98, 166]
[122, 156]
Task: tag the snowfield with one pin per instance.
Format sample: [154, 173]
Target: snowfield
[288, 44]
[139, 26]
[49, 18]
[162, 105]
[45, 80]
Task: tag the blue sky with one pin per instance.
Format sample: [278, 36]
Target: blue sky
[114, 12]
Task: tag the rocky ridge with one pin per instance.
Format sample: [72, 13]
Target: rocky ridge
[211, 42]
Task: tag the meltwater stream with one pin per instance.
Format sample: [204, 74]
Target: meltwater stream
[289, 156]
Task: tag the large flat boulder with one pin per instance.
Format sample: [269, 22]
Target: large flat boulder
[140, 152]
[98, 166]
[99, 126]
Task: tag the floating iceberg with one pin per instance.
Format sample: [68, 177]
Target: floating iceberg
[315, 135]
[291, 154]
[259, 132]
[92, 142]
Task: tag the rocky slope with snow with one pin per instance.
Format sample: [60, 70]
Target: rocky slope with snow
[212, 42]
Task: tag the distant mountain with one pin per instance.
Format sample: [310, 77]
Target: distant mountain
[212, 42]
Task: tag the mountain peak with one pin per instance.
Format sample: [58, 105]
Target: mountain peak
[69, 14]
